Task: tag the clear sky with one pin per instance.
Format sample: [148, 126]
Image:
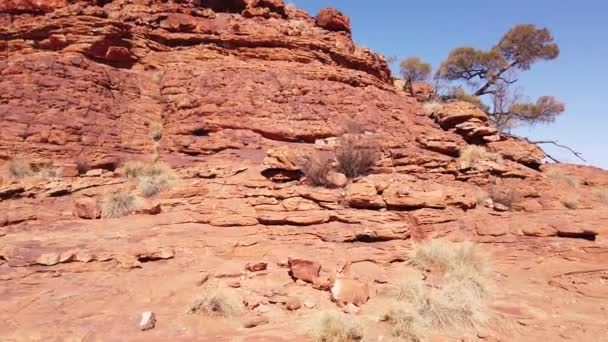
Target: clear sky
[430, 29]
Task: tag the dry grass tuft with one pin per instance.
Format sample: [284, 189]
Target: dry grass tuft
[217, 302]
[432, 107]
[602, 193]
[449, 257]
[355, 157]
[460, 305]
[352, 126]
[47, 170]
[155, 130]
[316, 167]
[562, 177]
[569, 202]
[20, 169]
[152, 178]
[118, 204]
[474, 153]
[333, 326]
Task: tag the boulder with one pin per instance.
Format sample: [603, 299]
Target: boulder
[86, 208]
[305, 270]
[453, 113]
[333, 20]
[70, 170]
[349, 291]
[364, 195]
[256, 266]
[293, 303]
[400, 197]
[518, 150]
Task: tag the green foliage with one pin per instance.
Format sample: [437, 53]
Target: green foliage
[413, 69]
[492, 73]
[546, 109]
[523, 45]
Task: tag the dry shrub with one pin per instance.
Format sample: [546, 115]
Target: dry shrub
[355, 157]
[151, 178]
[155, 130]
[20, 169]
[47, 170]
[217, 302]
[432, 107]
[316, 167]
[333, 326]
[474, 153]
[602, 193]
[564, 178]
[119, 203]
[569, 202]
[352, 126]
[448, 256]
[460, 305]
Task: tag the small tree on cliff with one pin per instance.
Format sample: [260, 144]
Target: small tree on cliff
[492, 74]
[413, 69]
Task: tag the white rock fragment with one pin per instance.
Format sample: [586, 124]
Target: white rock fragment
[148, 321]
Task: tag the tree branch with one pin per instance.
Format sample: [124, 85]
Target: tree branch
[484, 89]
[555, 143]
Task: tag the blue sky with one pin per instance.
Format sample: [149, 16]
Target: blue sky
[578, 77]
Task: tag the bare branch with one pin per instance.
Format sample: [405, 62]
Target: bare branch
[555, 143]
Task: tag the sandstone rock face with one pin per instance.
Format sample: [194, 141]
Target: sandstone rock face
[232, 95]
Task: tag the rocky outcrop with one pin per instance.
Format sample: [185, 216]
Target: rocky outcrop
[233, 96]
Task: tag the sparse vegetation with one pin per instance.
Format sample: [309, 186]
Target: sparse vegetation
[151, 178]
[569, 202]
[47, 170]
[20, 169]
[333, 326]
[118, 204]
[459, 305]
[474, 153]
[413, 69]
[602, 193]
[352, 126]
[432, 107]
[217, 302]
[562, 177]
[355, 157]
[448, 256]
[156, 130]
[316, 168]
